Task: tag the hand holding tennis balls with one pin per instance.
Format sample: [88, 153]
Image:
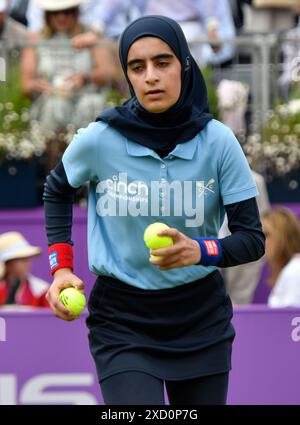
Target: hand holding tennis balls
[153, 241]
[175, 249]
[73, 299]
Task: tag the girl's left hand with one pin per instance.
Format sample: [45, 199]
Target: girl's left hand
[184, 252]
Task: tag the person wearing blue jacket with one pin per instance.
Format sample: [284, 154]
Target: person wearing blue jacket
[160, 157]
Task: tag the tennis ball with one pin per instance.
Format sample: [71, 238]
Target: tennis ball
[73, 299]
[153, 241]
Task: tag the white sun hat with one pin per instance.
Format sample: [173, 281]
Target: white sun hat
[13, 245]
[56, 5]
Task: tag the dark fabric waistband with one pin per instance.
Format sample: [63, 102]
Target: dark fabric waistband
[123, 286]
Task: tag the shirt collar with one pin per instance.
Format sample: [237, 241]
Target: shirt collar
[182, 150]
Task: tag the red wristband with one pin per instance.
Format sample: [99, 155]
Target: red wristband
[60, 256]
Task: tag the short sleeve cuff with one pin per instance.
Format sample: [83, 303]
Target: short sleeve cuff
[232, 198]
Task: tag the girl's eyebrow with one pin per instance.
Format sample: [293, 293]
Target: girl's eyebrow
[160, 56]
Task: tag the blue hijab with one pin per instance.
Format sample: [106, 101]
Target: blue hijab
[162, 131]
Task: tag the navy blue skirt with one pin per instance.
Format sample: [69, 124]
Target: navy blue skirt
[173, 334]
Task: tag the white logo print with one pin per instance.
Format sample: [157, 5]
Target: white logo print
[159, 198]
[208, 188]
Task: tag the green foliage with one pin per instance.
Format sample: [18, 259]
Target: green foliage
[18, 139]
[211, 92]
[114, 98]
[276, 150]
[14, 105]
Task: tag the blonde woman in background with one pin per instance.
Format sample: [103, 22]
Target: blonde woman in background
[68, 86]
[282, 231]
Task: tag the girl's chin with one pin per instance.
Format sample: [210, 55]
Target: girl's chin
[155, 109]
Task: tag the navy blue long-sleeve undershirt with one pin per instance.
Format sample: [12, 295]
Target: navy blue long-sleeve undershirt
[245, 244]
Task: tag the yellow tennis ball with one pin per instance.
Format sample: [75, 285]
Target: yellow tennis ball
[153, 241]
[73, 299]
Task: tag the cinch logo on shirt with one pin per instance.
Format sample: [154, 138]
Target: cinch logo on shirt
[118, 197]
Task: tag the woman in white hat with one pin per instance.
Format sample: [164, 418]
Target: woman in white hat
[67, 85]
[17, 285]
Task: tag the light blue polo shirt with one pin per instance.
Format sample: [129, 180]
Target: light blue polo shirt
[132, 187]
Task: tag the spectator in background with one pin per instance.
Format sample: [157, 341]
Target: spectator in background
[198, 18]
[69, 79]
[11, 31]
[241, 281]
[98, 16]
[282, 231]
[67, 85]
[17, 285]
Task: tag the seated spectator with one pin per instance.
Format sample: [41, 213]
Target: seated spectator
[71, 76]
[282, 230]
[11, 32]
[17, 285]
[68, 86]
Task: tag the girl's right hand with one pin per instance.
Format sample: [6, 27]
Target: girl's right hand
[63, 278]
